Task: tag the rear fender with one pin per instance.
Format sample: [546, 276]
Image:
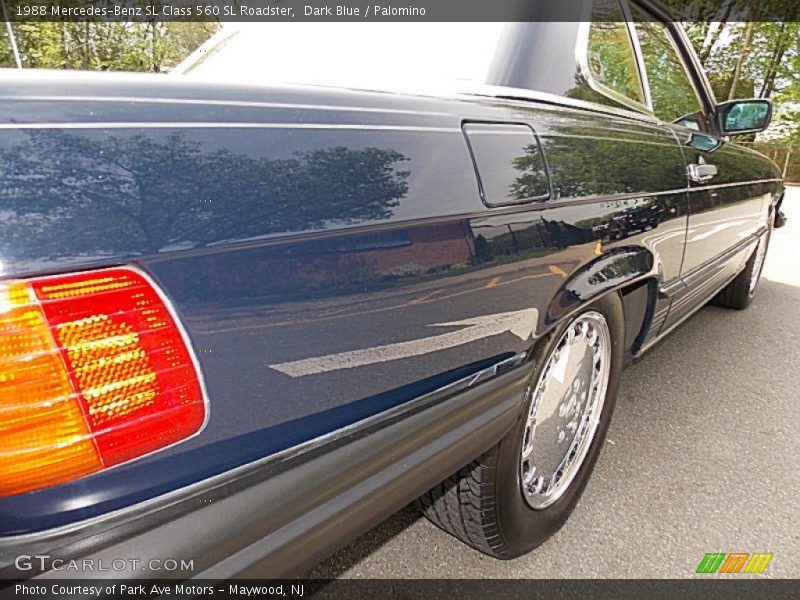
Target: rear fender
[611, 271]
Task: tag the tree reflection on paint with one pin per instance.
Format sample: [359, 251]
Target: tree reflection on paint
[138, 194]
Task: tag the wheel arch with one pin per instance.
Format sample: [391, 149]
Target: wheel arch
[630, 272]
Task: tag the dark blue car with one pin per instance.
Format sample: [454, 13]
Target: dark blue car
[240, 324]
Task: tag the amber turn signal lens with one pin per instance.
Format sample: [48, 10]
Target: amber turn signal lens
[94, 371]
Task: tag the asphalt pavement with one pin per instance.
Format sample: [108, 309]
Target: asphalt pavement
[703, 455]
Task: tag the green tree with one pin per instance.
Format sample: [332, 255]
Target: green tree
[749, 59]
[756, 59]
[151, 46]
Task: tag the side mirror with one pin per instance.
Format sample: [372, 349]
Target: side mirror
[743, 116]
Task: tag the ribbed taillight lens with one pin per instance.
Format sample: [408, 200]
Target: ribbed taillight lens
[94, 371]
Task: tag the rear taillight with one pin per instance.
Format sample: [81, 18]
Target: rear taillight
[94, 371]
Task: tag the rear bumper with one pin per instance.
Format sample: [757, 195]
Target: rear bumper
[278, 518]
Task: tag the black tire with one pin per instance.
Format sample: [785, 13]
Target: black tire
[483, 505]
[738, 293]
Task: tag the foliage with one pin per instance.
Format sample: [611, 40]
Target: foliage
[767, 55]
[671, 91]
[409, 270]
[98, 46]
[744, 50]
[533, 181]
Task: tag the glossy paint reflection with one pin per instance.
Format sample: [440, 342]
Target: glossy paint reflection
[329, 252]
[724, 214]
[335, 320]
[143, 193]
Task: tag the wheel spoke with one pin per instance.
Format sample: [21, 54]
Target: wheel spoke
[564, 415]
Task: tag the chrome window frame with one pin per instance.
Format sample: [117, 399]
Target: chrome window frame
[582, 59]
[637, 50]
[680, 45]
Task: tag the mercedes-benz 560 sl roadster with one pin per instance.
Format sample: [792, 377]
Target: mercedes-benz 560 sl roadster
[243, 322]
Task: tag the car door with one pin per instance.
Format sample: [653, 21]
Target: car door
[726, 191]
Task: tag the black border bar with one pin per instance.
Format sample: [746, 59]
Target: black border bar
[26, 11]
[710, 588]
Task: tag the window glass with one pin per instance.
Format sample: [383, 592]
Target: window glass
[671, 90]
[610, 57]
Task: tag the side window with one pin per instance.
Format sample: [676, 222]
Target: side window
[671, 90]
[611, 61]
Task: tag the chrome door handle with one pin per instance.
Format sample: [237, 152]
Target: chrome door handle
[701, 173]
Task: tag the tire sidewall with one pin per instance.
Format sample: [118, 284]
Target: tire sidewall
[751, 264]
[521, 527]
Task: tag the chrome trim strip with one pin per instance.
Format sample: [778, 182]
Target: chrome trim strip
[725, 275]
[717, 186]
[721, 258]
[689, 72]
[634, 195]
[123, 515]
[673, 326]
[607, 139]
[709, 99]
[220, 125]
[711, 283]
[526, 95]
[582, 58]
[656, 324]
[637, 50]
[237, 103]
[671, 289]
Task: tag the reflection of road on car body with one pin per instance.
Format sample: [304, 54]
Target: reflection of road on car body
[521, 323]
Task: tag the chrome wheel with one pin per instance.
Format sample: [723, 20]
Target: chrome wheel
[566, 403]
[758, 264]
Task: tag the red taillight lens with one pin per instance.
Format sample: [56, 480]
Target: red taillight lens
[94, 371]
